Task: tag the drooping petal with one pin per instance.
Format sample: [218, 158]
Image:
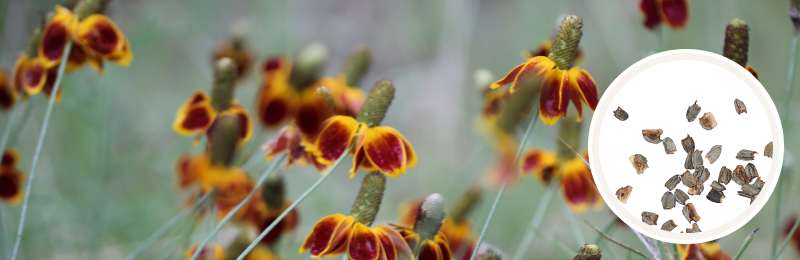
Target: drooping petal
[364, 243]
[101, 37]
[535, 160]
[50, 84]
[55, 36]
[277, 101]
[388, 250]
[443, 247]
[536, 67]
[334, 138]
[583, 90]
[30, 75]
[430, 250]
[314, 109]
[246, 125]
[327, 234]
[400, 247]
[280, 143]
[10, 158]
[360, 161]
[78, 56]
[752, 71]
[578, 187]
[11, 189]
[674, 13]
[510, 77]
[554, 96]
[649, 9]
[8, 95]
[384, 148]
[195, 116]
[190, 169]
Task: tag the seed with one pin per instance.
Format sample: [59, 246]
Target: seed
[673, 182]
[740, 176]
[696, 190]
[690, 213]
[692, 112]
[681, 197]
[751, 190]
[746, 155]
[649, 218]
[669, 225]
[668, 200]
[715, 185]
[688, 179]
[697, 158]
[715, 196]
[652, 135]
[688, 163]
[724, 175]
[707, 121]
[669, 146]
[759, 184]
[704, 175]
[744, 194]
[688, 143]
[694, 229]
[740, 108]
[767, 149]
[639, 163]
[621, 114]
[624, 193]
[750, 171]
[714, 153]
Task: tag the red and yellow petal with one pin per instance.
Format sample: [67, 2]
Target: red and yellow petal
[583, 90]
[10, 158]
[408, 211]
[674, 13]
[578, 187]
[364, 243]
[101, 37]
[50, 83]
[276, 101]
[443, 247]
[55, 36]
[554, 96]
[328, 234]
[752, 71]
[195, 116]
[78, 56]
[8, 95]
[246, 127]
[281, 142]
[30, 75]
[335, 138]
[394, 244]
[214, 252]
[236, 50]
[314, 109]
[360, 161]
[430, 250]
[534, 160]
[11, 190]
[649, 9]
[536, 66]
[385, 148]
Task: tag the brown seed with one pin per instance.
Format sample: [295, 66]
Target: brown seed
[694, 229]
[649, 218]
[704, 175]
[750, 171]
[707, 121]
[639, 163]
[767, 150]
[759, 184]
[669, 225]
[692, 112]
[715, 185]
[739, 105]
[697, 158]
[688, 163]
[621, 114]
[714, 153]
[681, 197]
[697, 189]
[724, 175]
[690, 213]
[688, 144]
[746, 155]
[668, 200]
[740, 176]
[673, 182]
[688, 179]
[669, 146]
[624, 193]
[652, 135]
[751, 190]
[744, 194]
[715, 196]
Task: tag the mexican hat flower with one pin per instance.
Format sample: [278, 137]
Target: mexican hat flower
[30, 75]
[8, 95]
[707, 251]
[737, 44]
[237, 50]
[376, 147]
[576, 181]
[338, 234]
[559, 82]
[675, 13]
[425, 237]
[11, 177]
[269, 206]
[291, 140]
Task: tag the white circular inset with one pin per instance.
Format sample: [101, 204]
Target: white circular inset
[656, 92]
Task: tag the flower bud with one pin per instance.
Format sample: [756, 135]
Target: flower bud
[565, 45]
[308, 64]
[222, 138]
[737, 41]
[369, 198]
[378, 101]
[224, 81]
[588, 252]
[429, 217]
[357, 65]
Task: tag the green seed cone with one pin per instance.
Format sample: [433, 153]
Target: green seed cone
[88, 7]
[223, 141]
[564, 47]
[274, 191]
[369, 198]
[224, 82]
[467, 202]
[374, 109]
[357, 65]
[308, 64]
[737, 41]
[429, 217]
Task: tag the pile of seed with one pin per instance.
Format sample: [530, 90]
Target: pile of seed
[745, 176]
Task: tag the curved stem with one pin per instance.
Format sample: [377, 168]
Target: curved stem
[745, 244]
[295, 203]
[39, 145]
[235, 210]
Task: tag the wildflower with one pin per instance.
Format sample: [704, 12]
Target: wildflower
[8, 95]
[708, 250]
[30, 75]
[11, 178]
[376, 147]
[271, 204]
[237, 50]
[337, 233]
[578, 187]
[560, 83]
[347, 99]
[675, 13]
[541, 162]
[425, 237]
[737, 43]
[211, 252]
[290, 140]
[101, 38]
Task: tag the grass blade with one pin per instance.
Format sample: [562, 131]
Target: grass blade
[746, 244]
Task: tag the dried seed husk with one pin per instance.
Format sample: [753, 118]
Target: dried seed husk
[688, 179]
[692, 112]
[621, 114]
[688, 144]
[739, 175]
[751, 190]
[669, 146]
[750, 171]
[739, 105]
[669, 225]
[746, 155]
[624, 193]
[744, 194]
[652, 136]
[681, 197]
[694, 229]
[759, 184]
[715, 185]
[690, 213]
[697, 158]
[668, 200]
[715, 196]
[703, 175]
[714, 153]
[767, 150]
[724, 175]
[639, 163]
[673, 182]
[697, 189]
[707, 121]
[688, 163]
[649, 218]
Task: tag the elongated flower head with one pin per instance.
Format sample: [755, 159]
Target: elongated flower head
[357, 65]
[224, 81]
[565, 45]
[308, 65]
[737, 38]
[223, 139]
[374, 108]
[430, 216]
[369, 198]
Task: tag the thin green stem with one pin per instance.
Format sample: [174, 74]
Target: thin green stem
[564, 248]
[167, 227]
[295, 203]
[669, 253]
[10, 123]
[650, 247]
[503, 188]
[574, 223]
[544, 202]
[745, 244]
[630, 249]
[777, 254]
[3, 237]
[606, 230]
[39, 145]
[235, 210]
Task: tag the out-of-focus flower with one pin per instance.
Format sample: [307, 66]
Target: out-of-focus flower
[541, 162]
[11, 177]
[101, 38]
[197, 115]
[675, 13]
[578, 187]
[8, 95]
[290, 140]
[787, 227]
[237, 50]
[30, 75]
[425, 236]
[707, 251]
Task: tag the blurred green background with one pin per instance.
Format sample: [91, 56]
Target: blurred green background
[106, 180]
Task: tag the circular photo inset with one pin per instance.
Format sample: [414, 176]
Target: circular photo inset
[686, 146]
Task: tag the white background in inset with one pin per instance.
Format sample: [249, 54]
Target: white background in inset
[655, 100]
